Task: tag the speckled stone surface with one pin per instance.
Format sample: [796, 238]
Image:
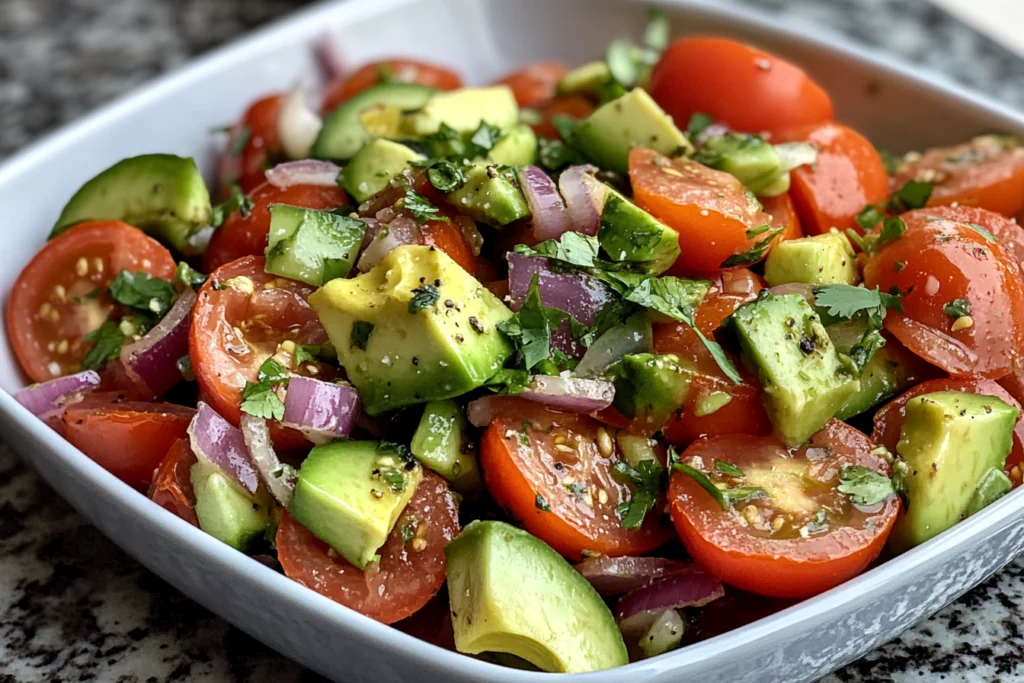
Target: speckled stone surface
[74, 607]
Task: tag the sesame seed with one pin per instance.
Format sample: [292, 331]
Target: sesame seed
[376, 493]
[751, 514]
[60, 292]
[62, 348]
[82, 266]
[97, 264]
[777, 523]
[602, 496]
[419, 544]
[604, 442]
[964, 322]
[562, 448]
[44, 310]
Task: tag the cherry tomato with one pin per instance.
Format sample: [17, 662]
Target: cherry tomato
[573, 106]
[247, 235]
[242, 317]
[848, 175]
[711, 210]
[783, 215]
[408, 575]
[398, 70]
[61, 295]
[739, 86]
[938, 263]
[172, 482]
[535, 83]
[253, 146]
[534, 459]
[781, 546]
[128, 438]
[1009, 233]
[446, 236]
[986, 172]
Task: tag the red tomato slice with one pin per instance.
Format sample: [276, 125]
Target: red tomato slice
[573, 106]
[739, 86]
[783, 215]
[253, 146]
[247, 235]
[128, 438]
[791, 558]
[939, 261]
[848, 175]
[242, 317]
[398, 70]
[1009, 233]
[172, 482]
[711, 210]
[61, 295]
[405, 579]
[532, 457]
[535, 83]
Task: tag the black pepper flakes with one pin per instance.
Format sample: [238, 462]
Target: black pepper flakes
[474, 322]
[807, 345]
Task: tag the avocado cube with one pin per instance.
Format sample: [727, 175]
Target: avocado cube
[950, 440]
[441, 443]
[632, 120]
[650, 387]
[819, 260]
[349, 494]
[225, 510]
[883, 377]
[373, 167]
[311, 246]
[629, 234]
[416, 328]
[490, 196]
[518, 147]
[805, 381]
[748, 158]
[512, 593]
[464, 110]
[585, 79]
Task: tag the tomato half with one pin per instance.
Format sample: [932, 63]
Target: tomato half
[936, 263]
[986, 172]
[253, 146]
[397, 70]
[446, 236]
[1009, 233]
[573, 106]
[848, 175]
[61, 295]
[172, 482]
[711, 210]
[534, 83]
[128, 438]
[783, 214]
[738, 85]
[247, 235]
[242, 317]
[408, 574]
[773, 546]
[533, 457]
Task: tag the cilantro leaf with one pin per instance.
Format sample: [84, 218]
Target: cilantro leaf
[913, 195]
[989, 237]
[726, 498]
[530, 328]
[656, 33]
[509, 381]
[846, 301]
[424, 296]
[305, 353]
[573, 248]
[819, 523]
[237, 201]
[361, 333]
[864, 486]
[272, 372]
[699, 122]
[893, 228]
[421, 208]
[142, 292]
[648, 477]
[541, 504]
[446, 176]
[957, 308]
[869, 217]
[728, 468]
[106, 340]
[408, 528]
[239, 141]
[485, 136]
[259, 400]
[754, 254]
[555, 154]
[188, 276]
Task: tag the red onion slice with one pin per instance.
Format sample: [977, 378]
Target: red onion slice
[633, 336]
[323, 411]
[482, 411]
[47, 397]
[304, 172]
[329, 56]
[401, 231]
[153, 360]
[584, 197]
[690, 589]
[550, 218]
[570, 394]
[806, 291]
[279, 478]
[618, 575]
[216, 441]
[297, 124]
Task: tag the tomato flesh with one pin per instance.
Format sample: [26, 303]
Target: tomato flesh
[253, 146]
[783, 215]
[399, 70]
[573, 106]
[535, 83]
[1009, 233]
[172, 482]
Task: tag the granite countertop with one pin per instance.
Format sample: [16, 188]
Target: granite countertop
[74, 607]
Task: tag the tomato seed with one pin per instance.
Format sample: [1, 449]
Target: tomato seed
[82, 266]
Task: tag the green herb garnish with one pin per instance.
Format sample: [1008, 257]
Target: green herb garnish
[864, 486]
[361, 333]
[424, 296]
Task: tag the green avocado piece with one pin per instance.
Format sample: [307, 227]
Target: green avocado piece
[629, 234]
[950, 441]
[748, 158]
[994, 485]
[441, 443]
[374, 113]
[510, 592]
[883, 377]
[225, 510]
[585, 79]
[632, 120]
[805, 381]
[349, 494]
[819, 260]
[311, 246]
[416, 328]
[518, 147]
[650, 387]
[162, 194]
[490, 196]
[464, 110]
[373, 167]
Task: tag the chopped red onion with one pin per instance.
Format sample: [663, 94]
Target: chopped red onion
[401, 231]
[550, 218]
[278, 477]
[690, 589]
[584, 197]
[323, 411]
[216, 441]
[329, 56]
[304, 172]
[152, 361]
[570, 394]
[297, 124]
[47, 397]
[633, 336]
[618, 575]
[806, 291]
[482, 411]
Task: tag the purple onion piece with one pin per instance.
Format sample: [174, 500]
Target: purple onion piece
[218, 442]
[323, 411]
[153, 360]
[304, 172]
[618, 575]
[584, 197]
[570, 394]
[401, 231]
[550, 218]
[47, 397]
[691, 589]
[329, 56]
[279, 478]
[806, 291]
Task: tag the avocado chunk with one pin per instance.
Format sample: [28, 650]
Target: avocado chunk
[416, 328]
[882, 378]
[805, 381]
[441, 443]
[518, 147]
[510, 592]
[950, 441]
[225, 510]
[825, 259]
[464, 110]
[634, 119]
[311, 246]
[162, 194]
[490, 196]
[349, 494]
[629, 234]
[585, 79]
[650, 387]
[748, 158]
[373, 167]
[374, 113]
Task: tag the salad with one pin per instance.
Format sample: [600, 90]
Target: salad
[563, 371]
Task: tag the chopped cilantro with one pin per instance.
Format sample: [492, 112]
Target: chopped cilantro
[238, 201]
[485, 136]
[106, 340]
[957, 308]
[819, 523]
[361, 333]
[272, 372]
[648, 477]
[913, 195]
[847, 302]
[656, 34]
[260, 398]
[305, 353]
[446, 176]
[424, 296]
[864, 486]
[421, 208]
[869, 217]
[408, 528]
[541, 504]
[555, 154]
[509, 381]
[699, 122]
[728, 468]
[239, 141]
[754, 254]
[524, 432]
[725, 498]
[152, 295]
[188, 276]
[530, 328]
[394, 478]
[573, 248]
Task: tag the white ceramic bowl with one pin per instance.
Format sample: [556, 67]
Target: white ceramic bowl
[895, 106]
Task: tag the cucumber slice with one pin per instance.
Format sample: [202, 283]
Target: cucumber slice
[311, 246]
[344, 131]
